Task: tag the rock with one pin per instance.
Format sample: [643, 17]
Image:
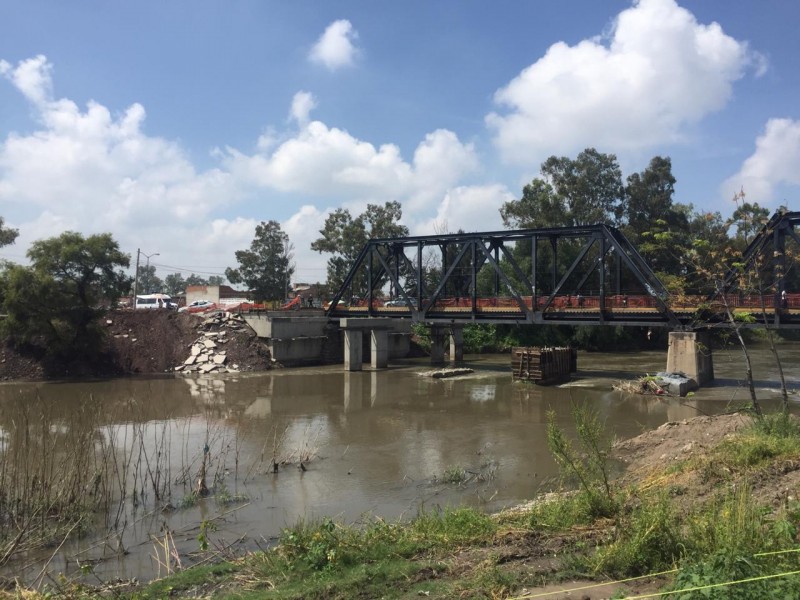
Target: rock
[219, 359]
[191, 360]
[196, 349]
[210, 344]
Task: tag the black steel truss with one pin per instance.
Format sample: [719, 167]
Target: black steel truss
[603, 264]
[766, 253]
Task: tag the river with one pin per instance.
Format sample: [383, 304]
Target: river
[389, 443]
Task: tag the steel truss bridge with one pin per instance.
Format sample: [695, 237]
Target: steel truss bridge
[438, 279]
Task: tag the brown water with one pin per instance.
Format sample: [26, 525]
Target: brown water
[379, 443]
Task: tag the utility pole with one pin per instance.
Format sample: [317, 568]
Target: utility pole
[136, 277]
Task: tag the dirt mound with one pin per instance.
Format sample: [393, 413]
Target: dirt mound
[139, 342]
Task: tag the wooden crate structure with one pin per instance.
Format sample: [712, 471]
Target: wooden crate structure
[543, 365]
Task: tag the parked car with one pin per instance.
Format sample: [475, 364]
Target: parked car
[198, 306]
[399, 302]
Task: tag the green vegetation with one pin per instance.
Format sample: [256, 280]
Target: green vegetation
[266, 268]
[343, 237]
[55, 303]
[599, 532]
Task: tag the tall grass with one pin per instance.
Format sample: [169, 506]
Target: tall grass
[65, 475]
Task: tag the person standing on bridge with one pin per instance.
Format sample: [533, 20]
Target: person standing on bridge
[784, 301]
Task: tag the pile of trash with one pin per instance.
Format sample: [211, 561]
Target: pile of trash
[451, 372]
[661, 384]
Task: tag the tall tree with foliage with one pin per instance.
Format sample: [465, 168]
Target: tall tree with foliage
[174, 284]
[653, 222]
[149, 282]
[7, 235]
[589, 187]
[57, 300]
[266, 268]
[343, 237]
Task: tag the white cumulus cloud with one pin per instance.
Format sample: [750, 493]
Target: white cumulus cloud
[87, 170]
[93, 170]
[657, 71]
[335, 48]
[468, 208]
[302, 105]
[329, 162]
[32, 77]
[774, 162]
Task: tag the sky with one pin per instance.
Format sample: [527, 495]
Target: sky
[178, 126]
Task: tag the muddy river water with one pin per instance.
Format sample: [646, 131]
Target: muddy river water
[384, 443]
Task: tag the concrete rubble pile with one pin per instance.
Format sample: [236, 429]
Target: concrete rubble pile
[207, 353]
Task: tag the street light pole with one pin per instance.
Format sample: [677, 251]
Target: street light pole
[136, 277]
[147, 268]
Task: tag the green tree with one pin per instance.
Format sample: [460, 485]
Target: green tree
[193, 279]
[174, 284]
[149, 282]
[749, 219]
[589, 187]
[657, 226]
[343, 237]
[266, 268]
[7, 235]
[59, 297]
[216, 280]
[538, 207]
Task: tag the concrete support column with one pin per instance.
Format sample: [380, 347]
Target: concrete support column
[380, 348]
[437, 345]
[352, 350]
[690, 353]
[456, 343]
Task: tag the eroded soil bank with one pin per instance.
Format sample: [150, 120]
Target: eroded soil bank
[138, 342]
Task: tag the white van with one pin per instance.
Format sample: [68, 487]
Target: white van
[155, 301]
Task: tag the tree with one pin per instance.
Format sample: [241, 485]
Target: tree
[590, 187]
[344, 237]
[174, 284]
[583, 191]
[266, 268]
[538, 207]
[149, 282]
[216, 280]
[749, 219]
[196, 280]
[7, 235]
[59, 297]
[654, 224]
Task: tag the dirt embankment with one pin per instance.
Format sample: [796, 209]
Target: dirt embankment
[141, 342]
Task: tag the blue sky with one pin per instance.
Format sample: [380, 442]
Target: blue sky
[178, 126]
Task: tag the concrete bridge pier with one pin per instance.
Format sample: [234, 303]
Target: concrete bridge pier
[379, 342]
[437, 345]
[456, 343]
[452, 333]
[689, 352]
